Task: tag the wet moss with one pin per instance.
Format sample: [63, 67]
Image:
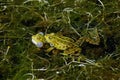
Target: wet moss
[21, 60]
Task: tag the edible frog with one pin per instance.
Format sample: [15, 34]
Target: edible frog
[57, 41]
[68, 45]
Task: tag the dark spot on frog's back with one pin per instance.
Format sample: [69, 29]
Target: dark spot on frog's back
[64, 47]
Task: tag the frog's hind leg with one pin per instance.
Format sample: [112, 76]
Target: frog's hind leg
[74, 54]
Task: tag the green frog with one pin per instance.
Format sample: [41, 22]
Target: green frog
[60, 42]
[66, 44]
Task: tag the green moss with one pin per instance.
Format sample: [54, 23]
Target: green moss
[20, 20]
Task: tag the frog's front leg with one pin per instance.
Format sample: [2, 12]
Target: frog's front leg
[49, 49]
[74, 54]
[53, 50]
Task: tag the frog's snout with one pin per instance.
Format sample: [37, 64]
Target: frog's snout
[38, 44]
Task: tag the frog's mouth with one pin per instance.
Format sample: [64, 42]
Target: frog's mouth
[38, 44]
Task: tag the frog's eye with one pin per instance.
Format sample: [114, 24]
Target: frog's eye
[38, 38]
[41, 33]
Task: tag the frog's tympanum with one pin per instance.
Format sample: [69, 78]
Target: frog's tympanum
[57, 41]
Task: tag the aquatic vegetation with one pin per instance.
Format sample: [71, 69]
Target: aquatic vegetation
[93, 27]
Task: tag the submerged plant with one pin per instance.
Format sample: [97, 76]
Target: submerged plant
[95, 24]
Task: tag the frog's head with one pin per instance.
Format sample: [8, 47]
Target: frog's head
[50, 37]
[38, 39]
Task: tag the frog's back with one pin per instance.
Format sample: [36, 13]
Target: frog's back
[59, 41]
[65, 38]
